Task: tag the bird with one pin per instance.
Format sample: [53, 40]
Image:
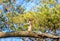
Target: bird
[29, 26]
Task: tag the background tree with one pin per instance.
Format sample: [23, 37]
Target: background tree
[16, 18]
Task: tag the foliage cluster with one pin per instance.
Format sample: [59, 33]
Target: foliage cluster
[45, 18]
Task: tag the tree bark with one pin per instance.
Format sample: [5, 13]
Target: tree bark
[27, 34]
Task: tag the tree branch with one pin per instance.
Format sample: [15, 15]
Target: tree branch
[27, 34]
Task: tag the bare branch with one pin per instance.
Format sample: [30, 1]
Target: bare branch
[27, 34]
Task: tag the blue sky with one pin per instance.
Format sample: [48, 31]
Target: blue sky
[27, 5]
[11, 39]
[24, 4]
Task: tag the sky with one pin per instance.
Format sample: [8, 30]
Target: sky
[11, 39]
[27, 6]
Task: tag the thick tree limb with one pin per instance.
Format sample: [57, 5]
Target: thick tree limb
[27, 34]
